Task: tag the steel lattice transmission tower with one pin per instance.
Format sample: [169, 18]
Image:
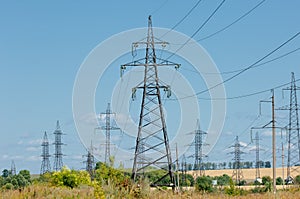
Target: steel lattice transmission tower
[237, 170]
[45, 167]
[13, 168]
[257, 160]
[108, 128]
[183, 170]
[152, 143]
[293, 129]
[90, 161]
[199, 143]
[58, 162]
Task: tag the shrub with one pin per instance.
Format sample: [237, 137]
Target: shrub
[266, 179]
[204, 183]
[25, 174]
[279, 181]
[70, 178]
[297, 179]
[223, 180]
[8, 186]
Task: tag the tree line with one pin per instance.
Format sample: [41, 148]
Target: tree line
[229, 165]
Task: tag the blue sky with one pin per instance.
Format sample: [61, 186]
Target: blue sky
[43, 45]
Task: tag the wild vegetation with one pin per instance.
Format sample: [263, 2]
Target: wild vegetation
[108, 182]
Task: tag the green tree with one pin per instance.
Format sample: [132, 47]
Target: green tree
[21, 181]
[279, 181]
[267, 164]
[5, 173]
[297, 179]
[223, 180]
[204, 183]
[25, 174]
[1, 181]
[266, 179]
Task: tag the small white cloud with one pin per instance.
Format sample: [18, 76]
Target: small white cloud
[77, 157]
[228, 133]
[33, 158]
[243, 144]
[31, 148]
[20, 142]
[35, 142]
[269, 133]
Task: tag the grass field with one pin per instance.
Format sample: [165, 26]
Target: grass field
[43, 191]
[249, 174]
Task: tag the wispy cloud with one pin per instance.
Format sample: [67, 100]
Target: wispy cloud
[35, 141]
[31, 148]
[33, 158]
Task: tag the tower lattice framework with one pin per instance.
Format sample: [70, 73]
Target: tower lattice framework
[90, 162]
[293, 130]
[45, 167]
[13, 168]
[199, 143]
[58, 162]
[152, 143]
[237, 174]
[257, 159]
[108, 128]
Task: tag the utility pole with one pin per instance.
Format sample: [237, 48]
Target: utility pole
[273, 143]
[152, 147]
[282, 163]
[108, 127]
[177, 169]
[45, 167]
[199, 143]
[58, 162]
[273, 137]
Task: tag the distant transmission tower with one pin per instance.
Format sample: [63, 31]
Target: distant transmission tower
[293, 129]
[108, 127]
[199, 143]
[237, 171]
[13, 168]
[58, 163]
[257, 162]
[45, 167]
[90, 162]
[152, 144]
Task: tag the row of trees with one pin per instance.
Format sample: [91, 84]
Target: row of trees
[20, 180]
[230, 165]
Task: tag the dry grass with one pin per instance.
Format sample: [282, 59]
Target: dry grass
[44, 191]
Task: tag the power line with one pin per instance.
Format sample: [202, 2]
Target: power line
[243, 70]
[238, 70]
[196, 32]
[161, 5]
[183, 18]
[266, 62]
[234, 22]
[250, 94]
